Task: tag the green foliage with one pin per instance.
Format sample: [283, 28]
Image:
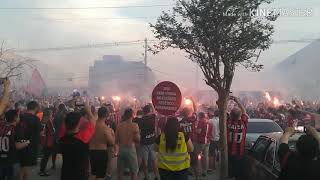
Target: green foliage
[219, 35]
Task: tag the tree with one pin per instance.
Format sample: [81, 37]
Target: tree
[12, 65]
[218, 35]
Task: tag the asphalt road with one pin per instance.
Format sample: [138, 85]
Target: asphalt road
[55, 174]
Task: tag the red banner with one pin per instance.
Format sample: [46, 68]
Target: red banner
[36, 84]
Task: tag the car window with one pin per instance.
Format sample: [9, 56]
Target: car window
[263, 127]
[270, 155]
[259, 148]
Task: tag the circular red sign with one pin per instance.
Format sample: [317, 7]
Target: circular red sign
[166, 98]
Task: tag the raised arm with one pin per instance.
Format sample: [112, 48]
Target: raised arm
[5, 97]
[286, 135]
[110, 137]
[91, 117]
[136, 133]
[194, 105]
[313, 132]
[237, 101]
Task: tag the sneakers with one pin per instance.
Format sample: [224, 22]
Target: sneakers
[43, 174]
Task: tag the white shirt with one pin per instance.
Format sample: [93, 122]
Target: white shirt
[216, 129]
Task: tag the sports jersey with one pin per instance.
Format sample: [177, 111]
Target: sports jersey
[48, 137]
[237, 130]
[7, 144]
[29, 129]
[203, 132]
[187, 125]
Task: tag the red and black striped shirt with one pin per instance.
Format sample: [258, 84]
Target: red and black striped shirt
[237, 131]
[7, 143]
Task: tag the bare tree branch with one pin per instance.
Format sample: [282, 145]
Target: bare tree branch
[12, 65]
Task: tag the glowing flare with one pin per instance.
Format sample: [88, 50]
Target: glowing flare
[199, 157]
[116, 98]
[102, 97]
[187, 102]
[268, 97]
[276, 101]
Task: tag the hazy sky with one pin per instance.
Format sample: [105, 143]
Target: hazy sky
[23, 29]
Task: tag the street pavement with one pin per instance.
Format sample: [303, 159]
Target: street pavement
[55, 174]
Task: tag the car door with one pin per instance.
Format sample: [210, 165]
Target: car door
[256, 158]
[269, 163]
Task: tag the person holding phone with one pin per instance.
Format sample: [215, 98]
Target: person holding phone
[237, 124]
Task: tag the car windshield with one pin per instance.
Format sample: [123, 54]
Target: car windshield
[263, 127]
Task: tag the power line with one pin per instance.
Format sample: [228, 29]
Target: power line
[84, 8]
[110, 44]
[126, 43]
[103, 18]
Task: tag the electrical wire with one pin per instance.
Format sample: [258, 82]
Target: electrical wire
[84, 8]
[110, 44]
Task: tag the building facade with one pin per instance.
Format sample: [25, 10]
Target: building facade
[114, 76]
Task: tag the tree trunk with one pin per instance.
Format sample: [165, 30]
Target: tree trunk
[222, 105]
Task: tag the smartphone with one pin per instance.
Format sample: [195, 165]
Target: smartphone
[300, 129]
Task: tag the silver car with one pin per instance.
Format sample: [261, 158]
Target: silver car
[259, 127]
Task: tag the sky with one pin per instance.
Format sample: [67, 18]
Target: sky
[25, 29]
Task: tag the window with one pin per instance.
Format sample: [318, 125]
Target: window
[263, 127]
[259, 149]
[270, 155]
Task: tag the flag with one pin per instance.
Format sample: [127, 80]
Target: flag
[36, 84]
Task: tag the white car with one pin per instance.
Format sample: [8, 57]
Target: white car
[258, 127]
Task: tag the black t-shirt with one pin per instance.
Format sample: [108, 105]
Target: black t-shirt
[147, 128]
[186, 125]
[29, 129]
[75, 155]
[7, 144]
[296, 168]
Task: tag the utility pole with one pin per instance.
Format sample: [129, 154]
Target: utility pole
[145, 74]
[146, 52]
[197, 78]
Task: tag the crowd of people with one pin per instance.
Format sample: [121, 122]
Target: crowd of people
[91, 138]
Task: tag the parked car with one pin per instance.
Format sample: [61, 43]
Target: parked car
[258, 127]
[262, 161]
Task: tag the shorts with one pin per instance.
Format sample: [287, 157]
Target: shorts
[147, 151]
[201, 149]
[128, 159]
[28, 159]
[98, 162]
[214, 147]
